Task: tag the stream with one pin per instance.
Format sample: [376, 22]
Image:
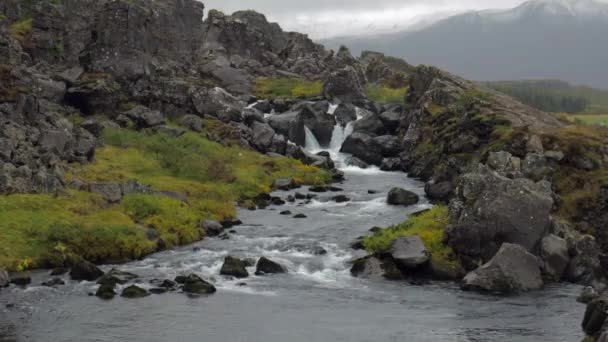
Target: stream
[317, 300]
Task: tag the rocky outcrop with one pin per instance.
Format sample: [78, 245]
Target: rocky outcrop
[344, 84]
[511, 270]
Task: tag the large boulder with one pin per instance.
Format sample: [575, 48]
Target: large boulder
[345, 113]
[511, 270]
[398, 196]
[234, 267]
[489, 210]
[392, 119]
[344, 84]
[596, 315]
[84, 270]
[267, 266]
[409, 253]
[554, 252]
[440, 191]
[144, 117]
[364, 147]
[375, 268]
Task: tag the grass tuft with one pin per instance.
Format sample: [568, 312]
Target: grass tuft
[386, 95]
[287, 88]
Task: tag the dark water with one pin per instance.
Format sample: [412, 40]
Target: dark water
[317, 300]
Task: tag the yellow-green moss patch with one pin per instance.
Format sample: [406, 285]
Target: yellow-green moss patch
[287, 88]
[386, 95]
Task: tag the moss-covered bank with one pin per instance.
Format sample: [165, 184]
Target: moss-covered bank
[192, 178]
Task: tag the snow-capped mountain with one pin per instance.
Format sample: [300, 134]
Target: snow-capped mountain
[566, 39]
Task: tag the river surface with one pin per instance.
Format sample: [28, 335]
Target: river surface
[317, 300]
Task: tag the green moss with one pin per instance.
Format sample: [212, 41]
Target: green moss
[22, 29]
[287, 88]
[429, 226]
[45, 230]
[386, 95]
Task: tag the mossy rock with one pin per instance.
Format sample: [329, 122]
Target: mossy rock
[444, 270]
[234, 267]
[134, 291]
[194, 284]
[106, 291]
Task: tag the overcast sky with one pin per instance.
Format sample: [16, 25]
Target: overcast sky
[327, 18]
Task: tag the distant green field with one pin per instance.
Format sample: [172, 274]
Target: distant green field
[592, 119]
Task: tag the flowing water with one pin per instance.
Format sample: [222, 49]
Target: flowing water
[317, 300]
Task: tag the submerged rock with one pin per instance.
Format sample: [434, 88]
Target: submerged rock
[267, 266]
[106, 290]
[511, 270]
[134, 291]
[117, 277]
[300, 216]
[234, 267]
[340, 199]
[53, 282]
[398, 196]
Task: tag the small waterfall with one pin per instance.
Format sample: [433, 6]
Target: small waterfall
[311, 144]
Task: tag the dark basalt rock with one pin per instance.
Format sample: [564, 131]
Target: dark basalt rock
[340, 199]
[234, 267]
[286, 212]
[300, 216]
[318, 188]
[106, 291]
[117, 277]
[398, 196]
[194, 284]
[438, 191]
[267, 266]
[364, 147]
[84, 270]
[134, 291]
[53, 282]
[20, 278]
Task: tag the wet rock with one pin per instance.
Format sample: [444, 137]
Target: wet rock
[300, 216]
[588, 295]
[4, 278]
[53, 282]
[391, 119]
[372, 192]
[267, 266]
[59, 271]
[511, 270]
[345, 113]
[334, 189]
[409, 253]
[354, 161]
[158, 290]
[117, 277]
[340, 199]
[106, 290]
[363, 146]
[299, 196]
[438, 191]
[554, 252]
[84, 270]
[398, 196]
[164, 283]
[371, 125]
[213, 228]
[277, 201]
[234, 267]
[286, 212]
[291, 199]
[284, 184]
[21, 278]
[318, 250]
[373, 267]
[595, 315]
[391, 164]
[194, 284]
[358, 244]
[318, 188]
[134, 291]
[445, 271]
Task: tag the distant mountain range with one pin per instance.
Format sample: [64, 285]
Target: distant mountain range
[540, 39]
